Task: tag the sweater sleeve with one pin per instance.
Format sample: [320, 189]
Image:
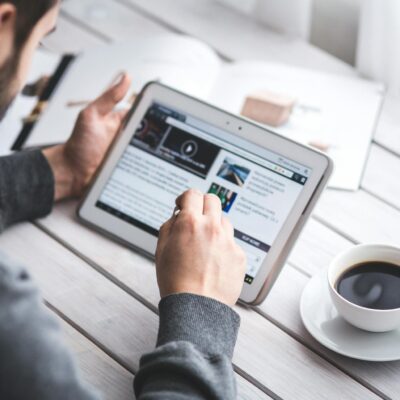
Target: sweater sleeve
[192, 359]
[26, 187]
[34, 361]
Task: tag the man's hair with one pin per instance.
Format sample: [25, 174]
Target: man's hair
[29, 12]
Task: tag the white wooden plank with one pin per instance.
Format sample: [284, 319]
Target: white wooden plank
[109, 315]
[316, 247]
[382, 175]
[387, 133]
[70, 38]
[262, 351]
[111, 19]
[99, 370]
[359, 216]
[236, 36]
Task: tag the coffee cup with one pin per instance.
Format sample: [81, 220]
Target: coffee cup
[370, 307]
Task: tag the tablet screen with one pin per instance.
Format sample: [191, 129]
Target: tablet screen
[171, 152]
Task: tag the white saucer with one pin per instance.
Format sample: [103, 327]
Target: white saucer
[325, 325]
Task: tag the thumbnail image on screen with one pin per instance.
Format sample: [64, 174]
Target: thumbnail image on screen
[233, 172]
[226, 196]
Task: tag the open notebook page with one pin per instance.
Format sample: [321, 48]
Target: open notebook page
[338, 111]
[181, 62]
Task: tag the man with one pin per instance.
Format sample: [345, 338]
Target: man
[200, 269]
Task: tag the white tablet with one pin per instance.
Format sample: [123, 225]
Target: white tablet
[267, 184]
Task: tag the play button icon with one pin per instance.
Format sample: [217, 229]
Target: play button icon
[189, 148]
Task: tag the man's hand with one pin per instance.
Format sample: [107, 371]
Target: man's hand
[75, 162]
[196, 251]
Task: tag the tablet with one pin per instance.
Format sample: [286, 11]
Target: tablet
[267, 184]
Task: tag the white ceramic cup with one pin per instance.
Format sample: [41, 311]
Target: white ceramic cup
[362, 317]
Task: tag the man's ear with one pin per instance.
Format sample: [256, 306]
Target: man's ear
[8, 15]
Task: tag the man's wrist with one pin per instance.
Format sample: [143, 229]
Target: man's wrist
[64, 179]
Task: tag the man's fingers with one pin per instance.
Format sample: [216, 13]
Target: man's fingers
[212, 206]
[112, 96]
[191, 201]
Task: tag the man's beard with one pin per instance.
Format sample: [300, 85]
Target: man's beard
[8, 73]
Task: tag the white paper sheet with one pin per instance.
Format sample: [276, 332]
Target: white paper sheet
[331, 109]
[181, 62]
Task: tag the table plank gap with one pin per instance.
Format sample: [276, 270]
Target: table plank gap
[334, 229]
[359, 217]
[70, 38]
[96, 368]
[386, 147]
[387, 132]
[95, 266]
[256, 384]
[381, 176]
[299, 269]
[380, 198]
[89, 337]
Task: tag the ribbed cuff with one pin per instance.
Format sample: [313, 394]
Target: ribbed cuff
[27, 187]
[210, 325]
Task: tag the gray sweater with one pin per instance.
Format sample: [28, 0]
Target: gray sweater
[196, 338]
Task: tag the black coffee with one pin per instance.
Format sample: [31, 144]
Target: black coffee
[372, 284]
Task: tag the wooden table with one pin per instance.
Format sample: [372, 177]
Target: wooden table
[106, 295]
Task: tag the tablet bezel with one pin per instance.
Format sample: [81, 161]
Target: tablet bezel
[137, 238]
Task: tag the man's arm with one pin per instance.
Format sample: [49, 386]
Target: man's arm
[200, 272]
[192, 360]
[34, 362]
